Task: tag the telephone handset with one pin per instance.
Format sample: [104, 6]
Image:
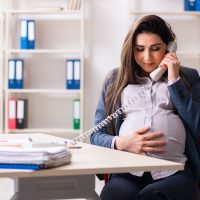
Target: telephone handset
[157, 73]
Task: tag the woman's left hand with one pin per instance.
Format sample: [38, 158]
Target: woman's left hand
[172, 63]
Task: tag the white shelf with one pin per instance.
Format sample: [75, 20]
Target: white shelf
[51, 91]
[48, 15]
[181, 13]
[45, 11]
[35, 51]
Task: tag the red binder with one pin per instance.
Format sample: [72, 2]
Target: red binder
[12, 111]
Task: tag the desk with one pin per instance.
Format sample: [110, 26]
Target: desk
[77, 179]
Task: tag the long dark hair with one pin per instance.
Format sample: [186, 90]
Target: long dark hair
[125, 73]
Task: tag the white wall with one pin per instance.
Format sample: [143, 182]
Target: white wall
[106, 27]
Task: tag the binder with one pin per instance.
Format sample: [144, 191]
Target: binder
[24, 34]
[76, 113]
[12, 113]
[190, 5]
[22, 107]
[31, 34]
[20, 166]
[11, 73]
[73, 74]
[197, 5]
[76, 70]
[19, 69]
[69, 74]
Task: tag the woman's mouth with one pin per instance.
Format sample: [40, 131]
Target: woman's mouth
[149, 65]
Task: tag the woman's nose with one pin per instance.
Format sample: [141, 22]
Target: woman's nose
[147, 55]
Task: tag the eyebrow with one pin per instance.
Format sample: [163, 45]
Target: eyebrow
[158, 44]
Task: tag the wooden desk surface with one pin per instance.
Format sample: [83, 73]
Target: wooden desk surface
[91, 159]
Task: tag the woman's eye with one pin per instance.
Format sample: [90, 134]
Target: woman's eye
[139, 49]
[155, 49]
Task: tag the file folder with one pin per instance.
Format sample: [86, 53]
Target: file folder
[19, 68]
[24, 34]
[12, 113]
[197, 5]
[76, 113]
[22, 106]
[21, 166]
[69, 74]
[76, 79]
[190, 5]
[31, 34]
[11, 73]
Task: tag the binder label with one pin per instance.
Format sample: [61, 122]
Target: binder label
[12, 109]
[31, 30]
[23, 30]
[20, 109]
[69, 70]
[11, 70]
[76, 70]
[76, 109]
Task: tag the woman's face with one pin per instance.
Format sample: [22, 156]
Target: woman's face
[149, 50]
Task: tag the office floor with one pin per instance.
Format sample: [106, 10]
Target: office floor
[7, 188]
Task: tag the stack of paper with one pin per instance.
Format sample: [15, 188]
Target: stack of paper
[33, 158]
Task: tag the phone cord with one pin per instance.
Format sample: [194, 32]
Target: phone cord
[108, 119]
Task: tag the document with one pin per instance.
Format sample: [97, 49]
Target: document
[22, 154]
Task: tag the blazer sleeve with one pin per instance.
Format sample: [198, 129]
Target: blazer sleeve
[187, 102]
[101, 137]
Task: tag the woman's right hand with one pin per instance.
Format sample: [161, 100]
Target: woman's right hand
[140, 142]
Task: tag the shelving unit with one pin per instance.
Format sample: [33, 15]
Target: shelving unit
[59, 36]
[180, 20]
[1, 64]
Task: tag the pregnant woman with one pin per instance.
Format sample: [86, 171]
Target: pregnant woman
[162, 122]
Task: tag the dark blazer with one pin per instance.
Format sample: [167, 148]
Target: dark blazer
[187, 104]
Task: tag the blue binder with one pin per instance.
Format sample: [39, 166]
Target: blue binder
[69, 74]
[31, 34]
[19, 78]
[190, 5]
[24, 34]
[197, 5]
[11, 73]
[76, 73]
[20, 166]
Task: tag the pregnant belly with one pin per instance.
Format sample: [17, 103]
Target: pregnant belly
[169, 124]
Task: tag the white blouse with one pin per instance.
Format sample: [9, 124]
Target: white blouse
[154, 109]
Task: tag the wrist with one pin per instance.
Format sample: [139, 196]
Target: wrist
[118, 143]
[173, 80]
